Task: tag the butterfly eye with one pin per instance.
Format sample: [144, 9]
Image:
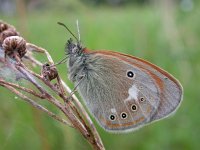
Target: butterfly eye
[123, 115]
[130, 74]
[134, 107]
[112, 117]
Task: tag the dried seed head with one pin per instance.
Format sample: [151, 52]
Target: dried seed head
[49, 72]
[6, 30]
[14, 46]
[3, 26]
[7, 33]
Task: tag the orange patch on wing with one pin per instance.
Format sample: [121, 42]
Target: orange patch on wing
[159, 82]
[110, 124]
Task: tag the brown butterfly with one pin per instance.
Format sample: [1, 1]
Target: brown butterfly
[122, 92]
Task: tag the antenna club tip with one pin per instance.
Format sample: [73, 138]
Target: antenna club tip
[60, 23]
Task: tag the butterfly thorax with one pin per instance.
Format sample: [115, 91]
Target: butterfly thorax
[77, 66]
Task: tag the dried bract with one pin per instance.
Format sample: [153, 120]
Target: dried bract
[14, 46]
[49, 72]
[3, 26]
[6, 30]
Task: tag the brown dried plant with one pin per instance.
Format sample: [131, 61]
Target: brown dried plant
[17, 64]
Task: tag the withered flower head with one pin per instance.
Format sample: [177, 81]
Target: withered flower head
[49, 72]
[14, 46]
[6, 30]
[3, 26]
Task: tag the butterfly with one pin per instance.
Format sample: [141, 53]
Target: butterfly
[121, 91]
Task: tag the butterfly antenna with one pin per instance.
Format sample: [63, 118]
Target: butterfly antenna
[78, 29]
[62, 24]
[61, 62]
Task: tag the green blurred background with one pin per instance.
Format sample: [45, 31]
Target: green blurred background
[167, 33]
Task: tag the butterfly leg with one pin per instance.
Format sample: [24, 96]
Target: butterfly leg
[75, 89]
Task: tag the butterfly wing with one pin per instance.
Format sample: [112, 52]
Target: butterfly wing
[171, 91]
[125, 93]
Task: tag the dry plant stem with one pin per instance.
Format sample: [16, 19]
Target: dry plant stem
[27, 75]
[42, 79]
[33, 47]
[63, 86]
[66, 110]
[34, 104]
[91, 127]
[72, 109]
[60, 84]
[91, 136]
[90, 132]
[46, 82]
[39, 49]
[33, 60]
[30, 91]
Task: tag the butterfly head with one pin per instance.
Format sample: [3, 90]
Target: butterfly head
[76, 59]
[73, 49]
[75, 55]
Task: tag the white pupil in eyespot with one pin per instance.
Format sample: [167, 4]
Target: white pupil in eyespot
[112, 117]
[134, 107]
[130, 74]
[123, 115]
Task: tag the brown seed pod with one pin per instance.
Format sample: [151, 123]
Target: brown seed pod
[7, 33]
[49, 72]
[14, 46]
[6, 30]
[3, 26]
[6, 26]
